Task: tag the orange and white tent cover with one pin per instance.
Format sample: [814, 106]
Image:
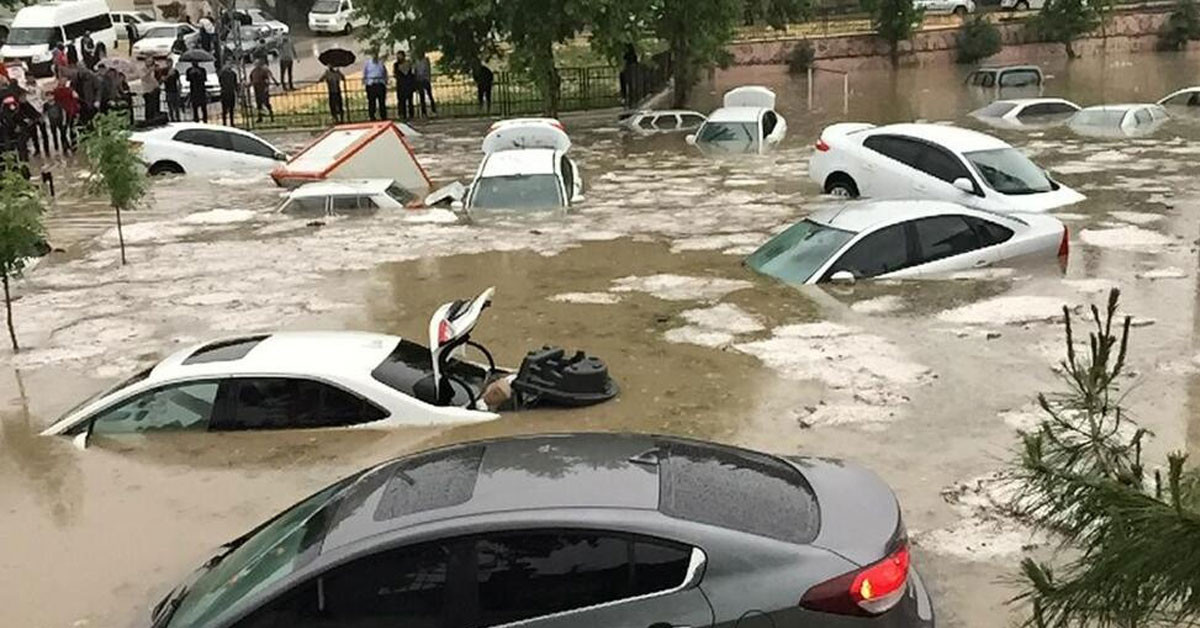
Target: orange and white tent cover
[363, 150]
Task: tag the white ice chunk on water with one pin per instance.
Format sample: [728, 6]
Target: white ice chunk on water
[1012, 310]
[1125, 238]
[680, 287]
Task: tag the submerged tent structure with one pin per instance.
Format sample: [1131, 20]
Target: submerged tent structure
[365, 150]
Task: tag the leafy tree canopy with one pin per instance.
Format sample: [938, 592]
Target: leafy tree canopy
[1064, 21]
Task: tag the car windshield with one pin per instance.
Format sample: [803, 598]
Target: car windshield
[518, 191]
[732, 137]
[794, 255]
[277, 549]
[161, 32]
[402, 196]
[27, 36]
[305, 205]
[1007, 171]
[1104, 118]
[409, 369]
[326, 6]
[996, 109]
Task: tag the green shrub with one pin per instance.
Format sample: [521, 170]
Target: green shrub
[1181, 27]
[979, 39]
[800, 59]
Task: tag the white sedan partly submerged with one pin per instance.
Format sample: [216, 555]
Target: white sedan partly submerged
[1026, 113]
[1118, 121]
[348, 196]
[746, 123]
[934, 162]
[334, 379]
[905, 239]
[195, 148]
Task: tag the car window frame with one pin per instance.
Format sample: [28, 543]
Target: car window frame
[228, 145]
[85, 423]
[225, 411]
[910, 245]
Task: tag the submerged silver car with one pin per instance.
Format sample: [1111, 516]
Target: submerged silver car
[581, 530]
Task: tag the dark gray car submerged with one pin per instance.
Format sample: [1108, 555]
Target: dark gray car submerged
[605, 530]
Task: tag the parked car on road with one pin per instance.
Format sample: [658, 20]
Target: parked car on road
[141, 22]
[905, 239]
[1187, 97]
[261, 18]
[935, 162]
[347, 196]
[194, 148]
[157, 41]
[335, 16]
[746, 123]
[956, 7]
[1116, 121]
[37, 29]
[647, 122]
[1026, 113]
[525, 167]
[568, 531]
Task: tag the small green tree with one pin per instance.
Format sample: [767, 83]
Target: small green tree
[978, 39]
[1064, 21]
[116, 169]
[1132, 544]
[1182, 26]
[894, 21]
[800, 59]
[21, 233]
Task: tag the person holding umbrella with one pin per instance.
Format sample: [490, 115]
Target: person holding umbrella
[334, 59]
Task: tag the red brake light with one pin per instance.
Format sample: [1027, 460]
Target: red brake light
[1064, 247]
[822, 146]
[443, 331]
[866, 592]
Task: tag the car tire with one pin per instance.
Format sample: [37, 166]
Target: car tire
[1021, 5]
[841, 186]
[347, 30]
[960, 11]
[160, 168]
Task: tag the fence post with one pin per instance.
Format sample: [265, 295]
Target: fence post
[846, 93]
[810, 87]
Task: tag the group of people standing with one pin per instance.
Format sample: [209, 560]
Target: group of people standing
[412, 79]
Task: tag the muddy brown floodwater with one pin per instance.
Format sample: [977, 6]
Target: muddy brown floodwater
[925, 382]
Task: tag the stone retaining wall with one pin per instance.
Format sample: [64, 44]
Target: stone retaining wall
[1126, 32]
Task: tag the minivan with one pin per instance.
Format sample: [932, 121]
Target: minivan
[334, 16]
[37, 29]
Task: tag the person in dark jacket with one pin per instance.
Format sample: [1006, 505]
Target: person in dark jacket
[484, 78]
[87, 51]
[334, 78]
[405, 86]
[132, 35]
[172, 88]
[87, 87]
[229, 89]
[197, 79]
[179, 46]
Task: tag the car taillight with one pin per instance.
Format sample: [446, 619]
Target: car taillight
[1064, 247]
[443, 332]
[822, 146]
[866, 592]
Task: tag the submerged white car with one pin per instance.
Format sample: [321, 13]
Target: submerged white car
[525, 167]
[196, 148]
[1187, 97]
[347, 196]
[1026, 113]
[334, 379]
[653, 122]
[747, 123]
[905, 239]
[934, 162]
[1117, 121]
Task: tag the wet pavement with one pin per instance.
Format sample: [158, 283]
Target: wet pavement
[925, 382]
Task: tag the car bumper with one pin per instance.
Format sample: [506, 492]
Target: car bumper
[330, 27]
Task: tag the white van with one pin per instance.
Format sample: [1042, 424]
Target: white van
[335, 16]
[37, 29]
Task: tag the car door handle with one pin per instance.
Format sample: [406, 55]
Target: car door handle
[982, 263]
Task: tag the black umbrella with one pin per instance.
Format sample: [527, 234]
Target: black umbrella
[337, 57]
[196, 54]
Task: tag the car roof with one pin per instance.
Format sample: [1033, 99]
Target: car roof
[952, 137]
[736, 114]
[1119, 107]
[1024, 102]
[1003, 68]
[173, 127]
[654, 112]
[863, 216]
[505, 163]
[341, 186]
[335, 354]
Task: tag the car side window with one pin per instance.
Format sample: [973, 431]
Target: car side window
[250, 146]
[1142, 116]
[204, 137]
[568, 175]
[903, 150]
[186, 406]
[646, 122]
[990, 233]
[399, 587]
[944, 236]
[1020, 78]
[527, 575]
[879, 253]
[280, 402]
[1047, 109]
[940, 163]
[690, 121]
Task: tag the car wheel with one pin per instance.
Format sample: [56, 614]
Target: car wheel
[160, 168]
[841, 186]
[960, 11]
[1022, 5]
[346, 31]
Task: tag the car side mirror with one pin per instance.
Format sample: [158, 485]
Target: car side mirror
[843, 278]
[964, 185]
[280, 156]
[690, 139]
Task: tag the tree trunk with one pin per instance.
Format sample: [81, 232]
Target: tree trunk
[681, 72]
[12, 333]
[1071, 54]
[894, 52]
[120, 234]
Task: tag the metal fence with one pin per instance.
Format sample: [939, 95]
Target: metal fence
[307, 106]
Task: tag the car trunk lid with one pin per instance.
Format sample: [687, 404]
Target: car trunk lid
[860, 517]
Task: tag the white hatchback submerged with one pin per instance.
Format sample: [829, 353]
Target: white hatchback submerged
[934, 162]
[195, 148]
[905, 239]
[525, 167]
[746, 123]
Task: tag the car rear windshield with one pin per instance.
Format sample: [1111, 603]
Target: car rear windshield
[732, 137]
[794, 255]
[1007, 171]
[409, 369]
[738, 490]
[996, 109]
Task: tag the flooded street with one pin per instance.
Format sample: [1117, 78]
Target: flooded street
[924, 382]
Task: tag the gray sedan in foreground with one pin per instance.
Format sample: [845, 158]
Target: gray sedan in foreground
[580, 530]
